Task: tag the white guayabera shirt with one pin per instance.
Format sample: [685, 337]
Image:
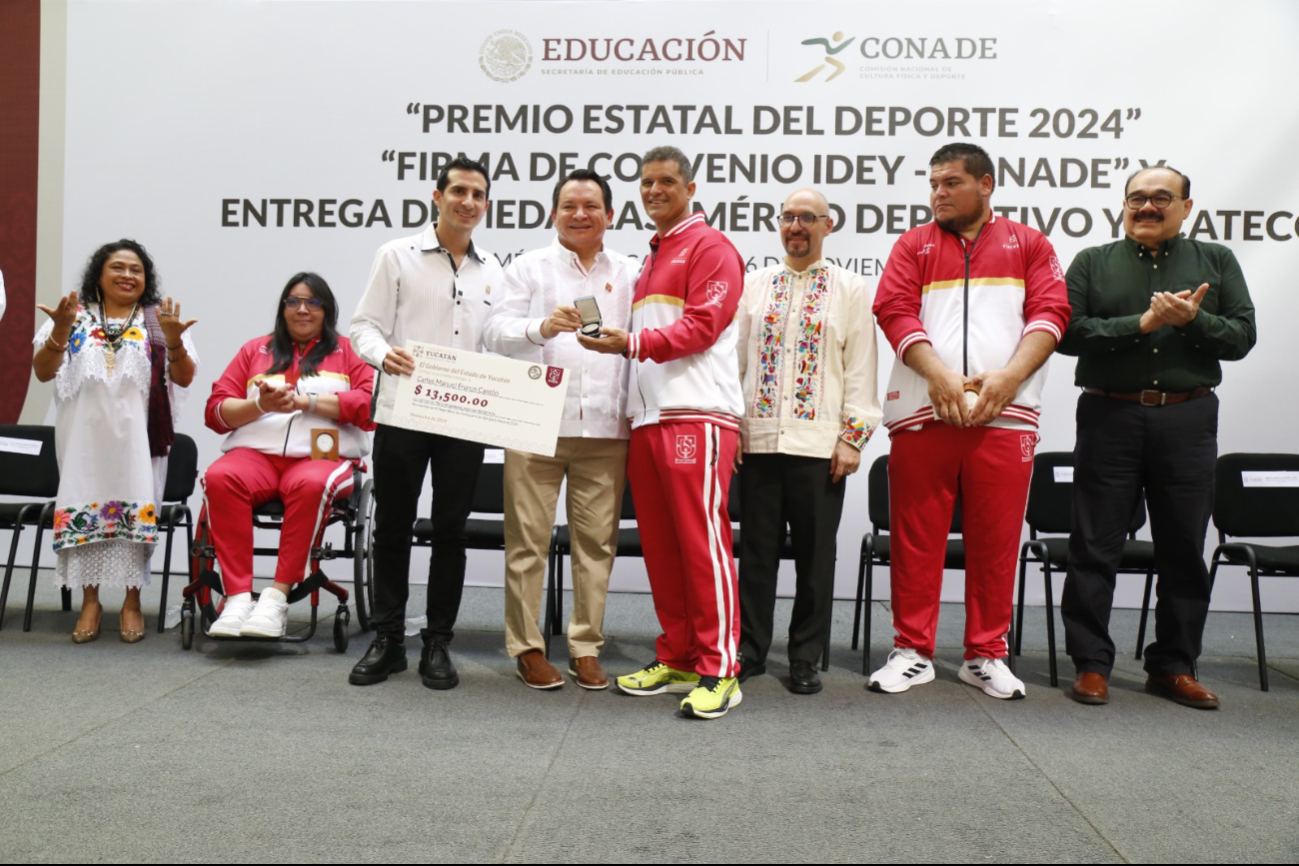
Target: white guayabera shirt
[596, 403]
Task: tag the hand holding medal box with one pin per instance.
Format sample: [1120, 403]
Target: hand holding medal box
[482, 398]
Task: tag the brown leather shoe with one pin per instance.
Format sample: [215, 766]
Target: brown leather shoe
[587, 672]
[1183, 689]
[537, 672]
[1090, 688]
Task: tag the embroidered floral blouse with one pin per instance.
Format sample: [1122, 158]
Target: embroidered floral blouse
[108, 486]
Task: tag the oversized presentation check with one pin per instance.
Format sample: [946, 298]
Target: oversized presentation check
[482, 398]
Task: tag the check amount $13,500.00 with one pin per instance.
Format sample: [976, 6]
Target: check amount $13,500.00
[439, 396]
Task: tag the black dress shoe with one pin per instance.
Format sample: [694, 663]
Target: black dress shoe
[435, 668]
[803, 678]
[386, 655]
[750, 669]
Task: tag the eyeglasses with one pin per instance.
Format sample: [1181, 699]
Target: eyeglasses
[1161, 200]
[293, 302]
[806, 220]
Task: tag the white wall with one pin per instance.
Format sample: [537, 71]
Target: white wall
[172, 108]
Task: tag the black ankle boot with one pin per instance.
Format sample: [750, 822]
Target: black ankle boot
[386, 655]
[435, 668]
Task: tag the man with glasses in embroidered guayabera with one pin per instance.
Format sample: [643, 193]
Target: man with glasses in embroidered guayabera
[1153, 315]
[807, 360]
[974, 305]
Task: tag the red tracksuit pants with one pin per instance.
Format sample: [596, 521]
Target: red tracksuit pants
[242, 479]
[990, 467]
[680, 476]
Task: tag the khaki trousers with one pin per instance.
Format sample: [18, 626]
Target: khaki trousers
[597, 472]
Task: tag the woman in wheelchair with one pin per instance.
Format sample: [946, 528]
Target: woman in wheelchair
[298, 387]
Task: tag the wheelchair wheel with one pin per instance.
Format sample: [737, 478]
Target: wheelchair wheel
[341, 621]
[361, 570]
[187, 628]
[369, 554]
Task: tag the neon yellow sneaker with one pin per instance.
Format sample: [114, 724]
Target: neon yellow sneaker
[712, 698]
[656, 678]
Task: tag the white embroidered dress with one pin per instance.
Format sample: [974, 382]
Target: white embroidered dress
[105, 518]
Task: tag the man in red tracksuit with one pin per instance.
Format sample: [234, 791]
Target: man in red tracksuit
[973, 305]
[684, 401]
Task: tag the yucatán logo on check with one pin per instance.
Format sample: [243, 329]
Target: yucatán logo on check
[687, 450]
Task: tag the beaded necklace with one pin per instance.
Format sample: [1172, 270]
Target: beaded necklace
[113, 334]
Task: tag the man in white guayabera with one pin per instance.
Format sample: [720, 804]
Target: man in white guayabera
[549, 295]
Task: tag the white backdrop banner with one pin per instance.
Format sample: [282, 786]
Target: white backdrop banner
[242, 142]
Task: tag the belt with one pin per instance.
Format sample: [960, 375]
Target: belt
[1152, 398]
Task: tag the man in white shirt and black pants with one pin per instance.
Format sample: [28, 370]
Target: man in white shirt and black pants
[535, 320]
[435, 287]
[807, 358]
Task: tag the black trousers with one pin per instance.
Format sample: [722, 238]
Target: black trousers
[1121, 449]
[775, 490]
[400, 459]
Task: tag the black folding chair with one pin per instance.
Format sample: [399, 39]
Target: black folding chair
[33, 476]
[875, 551]
[786, 550]
[1050, 510]
[1257, 496]
[182, 473]
[489, 499]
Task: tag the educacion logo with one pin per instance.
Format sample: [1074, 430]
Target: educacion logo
[505, 56]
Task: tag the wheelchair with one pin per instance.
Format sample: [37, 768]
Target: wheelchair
[201, 607]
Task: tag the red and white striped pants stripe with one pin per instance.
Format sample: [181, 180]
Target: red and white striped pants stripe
[242, 479]
[680, 476]
[990, 467]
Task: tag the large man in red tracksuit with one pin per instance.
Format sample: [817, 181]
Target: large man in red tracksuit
[973, 305]
[684, 401]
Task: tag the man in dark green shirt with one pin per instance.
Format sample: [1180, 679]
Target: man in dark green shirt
[1153, 315]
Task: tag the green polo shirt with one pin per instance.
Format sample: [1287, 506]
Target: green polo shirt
[1110, 288]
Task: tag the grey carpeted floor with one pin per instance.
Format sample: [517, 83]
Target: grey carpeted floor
[256, 752]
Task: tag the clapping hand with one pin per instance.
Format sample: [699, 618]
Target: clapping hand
[1178, 310]
[64, 315]
[169, 321]
[271, 398]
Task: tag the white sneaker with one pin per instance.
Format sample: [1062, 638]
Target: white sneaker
[270, 618]
[993, 677]
[904, 669]
[236, 611]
